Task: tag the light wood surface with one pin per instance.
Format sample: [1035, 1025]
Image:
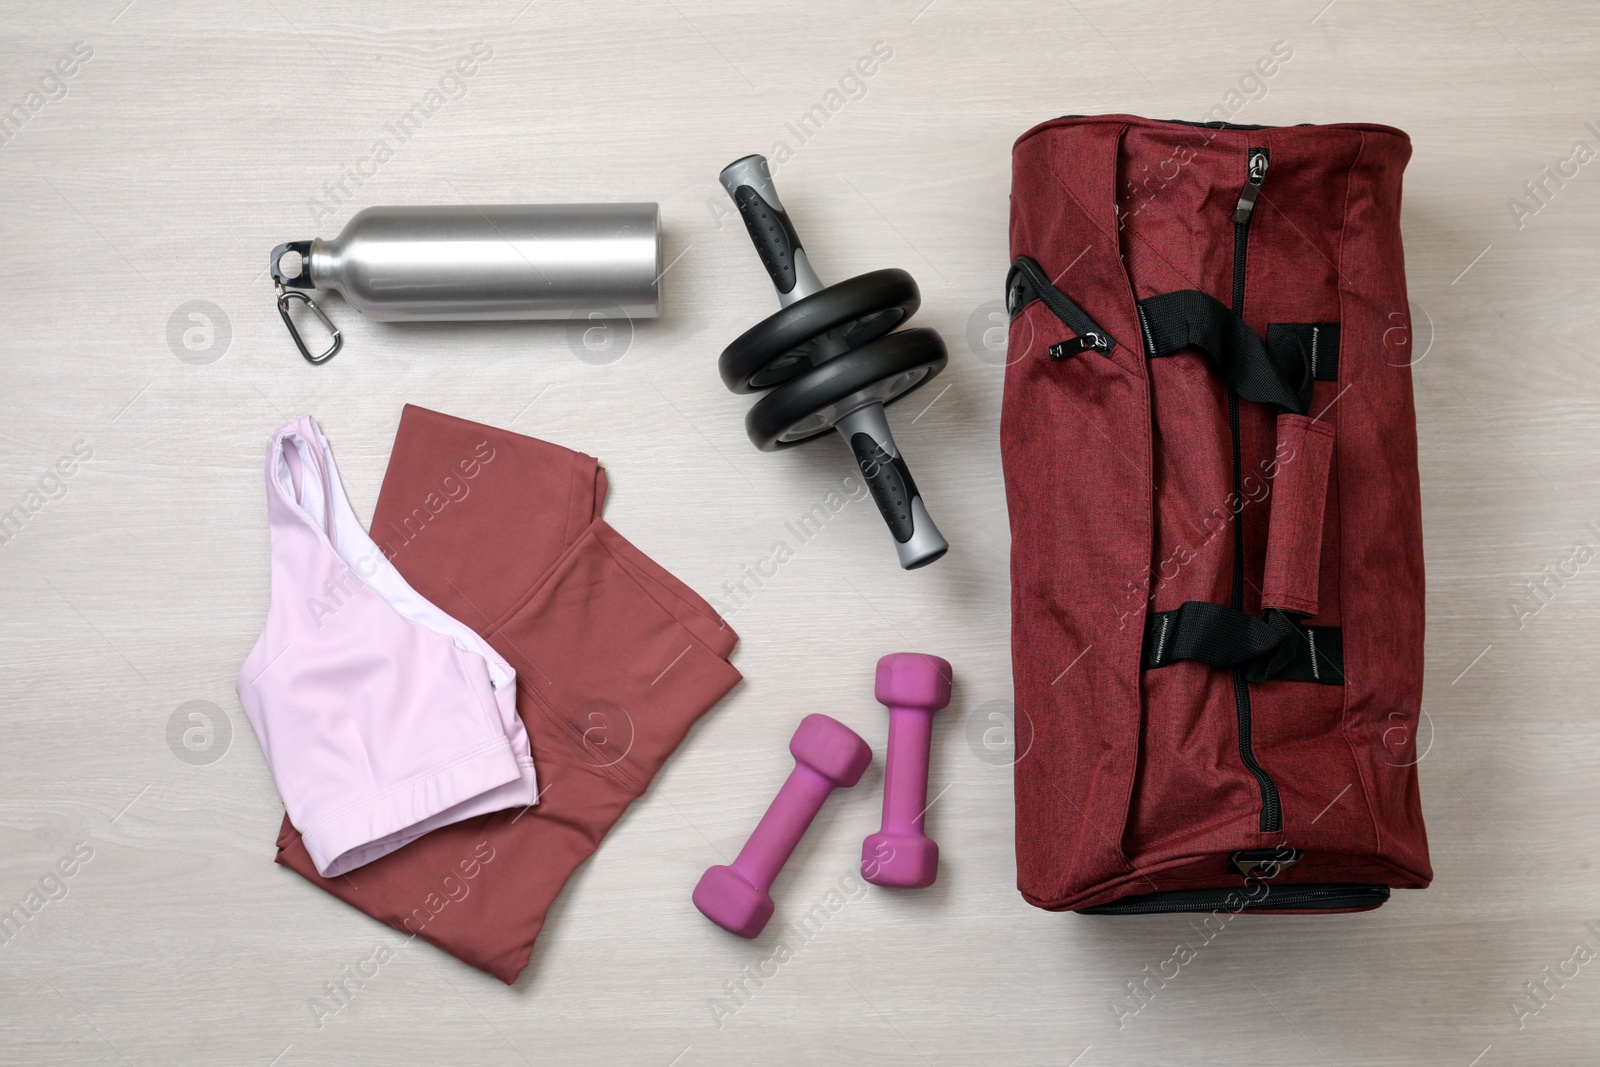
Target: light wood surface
[196, 136]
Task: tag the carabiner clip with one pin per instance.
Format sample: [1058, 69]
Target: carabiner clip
[286, 295]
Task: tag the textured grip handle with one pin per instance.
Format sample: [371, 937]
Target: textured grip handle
[917, 541]
[749, 182]
[890, 481]
[773, 235]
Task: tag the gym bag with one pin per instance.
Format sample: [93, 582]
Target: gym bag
[1211, 471]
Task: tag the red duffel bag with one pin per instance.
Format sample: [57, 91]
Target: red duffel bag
[1211, 470]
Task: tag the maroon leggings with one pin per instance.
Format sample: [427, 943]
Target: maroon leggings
[615, 660]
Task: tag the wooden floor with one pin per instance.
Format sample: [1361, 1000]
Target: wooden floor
[142, 365]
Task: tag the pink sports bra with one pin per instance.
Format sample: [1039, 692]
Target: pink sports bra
[381, 717]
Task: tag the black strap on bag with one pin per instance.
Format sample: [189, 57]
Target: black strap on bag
[1189, 318]
[1271, 648]
[1279, 370]
[1310, 344]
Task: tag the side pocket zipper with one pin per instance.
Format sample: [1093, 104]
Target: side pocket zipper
[1027, 282]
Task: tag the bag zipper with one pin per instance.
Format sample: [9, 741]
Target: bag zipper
[1271, 805]
[1090, 335]
[1247, 204]
[1299, 897]
[1215, 125]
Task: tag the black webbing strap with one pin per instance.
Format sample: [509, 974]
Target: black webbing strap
[1271, 648]
[1188, 317]
[1294, 345]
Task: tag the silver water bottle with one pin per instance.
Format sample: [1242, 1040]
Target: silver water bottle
[480, 262]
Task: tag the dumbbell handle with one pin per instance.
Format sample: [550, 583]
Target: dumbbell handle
[917, 541]
[749, 182]
[781, 828]
[905, 775]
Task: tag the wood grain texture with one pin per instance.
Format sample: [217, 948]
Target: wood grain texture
[198, 135]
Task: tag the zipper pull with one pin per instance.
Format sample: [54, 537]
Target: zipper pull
[1090, 341]
[1252, 186]
[1264, 864]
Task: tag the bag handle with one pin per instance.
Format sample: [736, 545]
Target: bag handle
[1189, 318]
[1281, 370]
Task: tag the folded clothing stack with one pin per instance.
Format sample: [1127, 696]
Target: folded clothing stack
[614, 660]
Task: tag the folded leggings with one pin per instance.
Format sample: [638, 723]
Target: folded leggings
[615, 660]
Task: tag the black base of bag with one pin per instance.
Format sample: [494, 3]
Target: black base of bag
[1331, 896]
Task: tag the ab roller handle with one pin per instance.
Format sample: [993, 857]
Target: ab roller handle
[831, 361]
[749, 182]
[917, 540]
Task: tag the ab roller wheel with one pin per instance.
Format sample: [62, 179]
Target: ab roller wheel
[830, 362]
[812, 330]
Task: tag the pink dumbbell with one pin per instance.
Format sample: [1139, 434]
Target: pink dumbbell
[913, 686]
[827, 753]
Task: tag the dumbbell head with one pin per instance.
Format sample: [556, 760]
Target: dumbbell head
[830, 748]
[913, 680]
[900, 860]
[727, 898]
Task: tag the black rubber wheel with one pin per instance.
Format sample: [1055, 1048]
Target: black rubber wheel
[819, 327]
[884, 371]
